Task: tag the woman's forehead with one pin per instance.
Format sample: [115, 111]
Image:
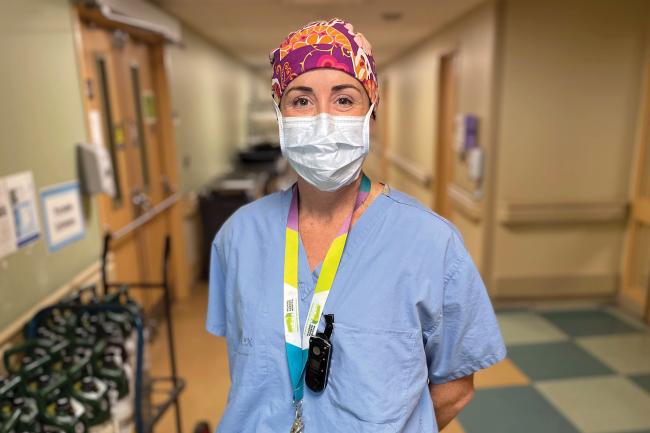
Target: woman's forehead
[324, 79]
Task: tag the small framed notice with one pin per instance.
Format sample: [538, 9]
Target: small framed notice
[22, 197]
[64, 222]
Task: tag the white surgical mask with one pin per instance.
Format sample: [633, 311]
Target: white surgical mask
[327, 151]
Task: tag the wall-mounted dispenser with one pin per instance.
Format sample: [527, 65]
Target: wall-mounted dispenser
[466, 134]
[96, 169]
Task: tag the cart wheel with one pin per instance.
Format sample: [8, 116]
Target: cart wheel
[202, 427]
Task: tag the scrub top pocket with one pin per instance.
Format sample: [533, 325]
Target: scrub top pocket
[248, 363]
[370, 372]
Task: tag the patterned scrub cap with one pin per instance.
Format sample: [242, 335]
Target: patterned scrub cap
[324, 44]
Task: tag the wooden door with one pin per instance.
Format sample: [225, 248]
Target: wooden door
[104, 102]
[118, 70]
[443, 175]
[635, 285]
[143, 135]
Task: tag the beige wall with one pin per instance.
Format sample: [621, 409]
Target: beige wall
[41, 119]
[412, 108]
[570, 82]
[210, 97]
[555, 85]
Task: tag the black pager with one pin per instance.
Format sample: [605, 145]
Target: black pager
[320, 355]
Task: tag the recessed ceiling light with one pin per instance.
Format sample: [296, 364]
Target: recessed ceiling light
[391, 16]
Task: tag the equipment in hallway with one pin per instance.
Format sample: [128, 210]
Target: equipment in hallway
[83, 367]
[258, 170]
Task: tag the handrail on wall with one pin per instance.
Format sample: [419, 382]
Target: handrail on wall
[146, 217]
[410, 168]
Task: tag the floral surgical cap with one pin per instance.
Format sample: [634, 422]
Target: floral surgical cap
[324, 44]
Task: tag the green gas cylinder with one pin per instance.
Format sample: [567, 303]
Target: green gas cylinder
[46, 387]
[28, 421]
[93, 394]
[61, 321]
[125, 318]
[12, 400]
[89, 390]
[9, 424]
[9, 416]
[63, 415]
[33, 357]
[110, 369]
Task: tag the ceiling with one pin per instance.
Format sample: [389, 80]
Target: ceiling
[250, 29]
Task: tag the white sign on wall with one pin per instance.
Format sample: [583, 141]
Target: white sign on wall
[64, 221]
[7, 226]
[22, 198]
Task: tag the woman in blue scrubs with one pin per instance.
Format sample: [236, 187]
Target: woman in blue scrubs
[412, 320]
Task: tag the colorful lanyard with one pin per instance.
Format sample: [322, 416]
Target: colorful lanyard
[297, 349]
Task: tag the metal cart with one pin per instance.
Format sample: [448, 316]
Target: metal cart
[172, 385]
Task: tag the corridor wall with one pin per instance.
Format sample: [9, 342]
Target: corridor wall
[211, 93]
[412, 109]
[41, 119]
[571, 83]
[555, 85]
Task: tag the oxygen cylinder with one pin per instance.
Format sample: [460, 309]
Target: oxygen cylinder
[124, 318]
[9, 415]
[63, 415]
[89, 390]
[27, 360]
[93, 394]
[12, 400]
[9, 423]
[28, 420]
[110, 369]
[61, 321]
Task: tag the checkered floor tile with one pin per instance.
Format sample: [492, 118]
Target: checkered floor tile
[574, 371]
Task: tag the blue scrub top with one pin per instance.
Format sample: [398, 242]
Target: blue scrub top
[409, 307]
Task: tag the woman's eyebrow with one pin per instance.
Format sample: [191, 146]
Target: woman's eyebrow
[345, 86]
[302, 89]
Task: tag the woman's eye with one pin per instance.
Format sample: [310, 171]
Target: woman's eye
[344, 101]
[300, 102]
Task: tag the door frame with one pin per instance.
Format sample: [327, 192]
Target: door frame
[639, 205]
[180, 272]
[443, 154]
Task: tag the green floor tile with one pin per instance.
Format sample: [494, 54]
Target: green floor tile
[556, 361]
[643, 381]
[528, 328]
[580, 323]
[512, 410]
[600, 404]
[624, 353]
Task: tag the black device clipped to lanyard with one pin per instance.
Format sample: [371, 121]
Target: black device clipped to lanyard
[320, 355]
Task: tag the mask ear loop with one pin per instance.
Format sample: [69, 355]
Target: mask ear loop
[278, 116]
[366, 129]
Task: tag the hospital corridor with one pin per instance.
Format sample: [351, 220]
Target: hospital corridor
[341, 216]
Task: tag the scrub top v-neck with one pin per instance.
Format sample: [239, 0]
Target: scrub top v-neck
[305, 273]
[409, 305]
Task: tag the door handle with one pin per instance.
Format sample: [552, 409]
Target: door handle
[141, 200]
[136, 199]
